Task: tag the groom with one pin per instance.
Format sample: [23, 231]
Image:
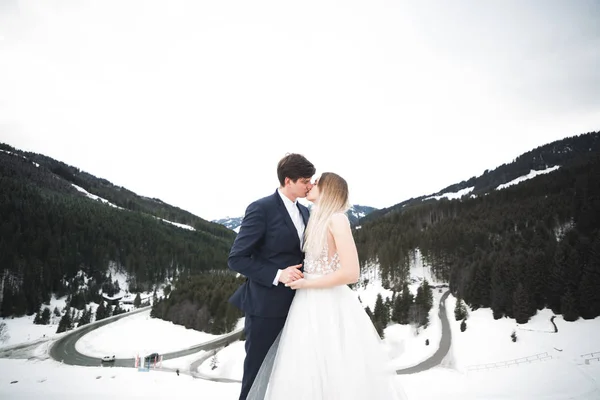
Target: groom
[268, 252]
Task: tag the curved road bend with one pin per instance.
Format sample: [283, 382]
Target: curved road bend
[24, 350]
[433, 361]
[64, 349]
[443, 348]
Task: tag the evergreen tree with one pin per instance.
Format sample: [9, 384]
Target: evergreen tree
[200, 302]
[38, 318]
[406, 302]
[380, 312]
[569, 307]
[480, 286]
[463, 325]
[521, 305]
[101, 311]
[46, 314]
[56, 312]
[423, 304]
[118, 310]
[137, 302]
[397, 309]
[460, 310]
[65, 322]
[85, 317]
[589, 288]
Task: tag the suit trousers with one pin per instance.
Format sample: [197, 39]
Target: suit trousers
[260, 335]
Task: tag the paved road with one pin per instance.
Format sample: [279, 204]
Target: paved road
[64, 349]
[443, 348]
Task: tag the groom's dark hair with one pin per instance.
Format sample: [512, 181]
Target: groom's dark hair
[294, 166]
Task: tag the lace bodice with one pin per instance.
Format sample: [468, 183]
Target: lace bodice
[322, 265]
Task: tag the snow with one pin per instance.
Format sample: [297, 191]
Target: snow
[17, 155]
[537, 337]
[531, 174]
[563, 374]
[51, 380]
[23, 330]
[139, 334]
[452, 195]
[94, 197]
[184, 226]
[229, 363]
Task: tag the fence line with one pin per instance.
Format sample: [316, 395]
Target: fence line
[595, 354]
[510, 363]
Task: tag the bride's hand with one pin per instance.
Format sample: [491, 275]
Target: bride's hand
[297, 284]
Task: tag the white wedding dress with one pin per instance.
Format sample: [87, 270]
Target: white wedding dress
[328, 348]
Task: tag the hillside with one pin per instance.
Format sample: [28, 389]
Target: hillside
[61, 228]
[521, 248]
[559, 153]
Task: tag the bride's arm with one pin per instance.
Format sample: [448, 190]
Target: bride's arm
[349, 271]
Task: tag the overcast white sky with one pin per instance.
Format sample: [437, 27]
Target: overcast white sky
[194, 102]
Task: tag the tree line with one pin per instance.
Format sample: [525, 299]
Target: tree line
[50, 234]
[515, 250]
[200, 302]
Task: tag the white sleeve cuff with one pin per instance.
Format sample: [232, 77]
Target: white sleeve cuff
[276, 281]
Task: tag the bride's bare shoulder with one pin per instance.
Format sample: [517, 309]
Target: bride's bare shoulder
[339, 220]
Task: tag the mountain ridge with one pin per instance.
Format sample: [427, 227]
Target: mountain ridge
[560, 152]
[355, 215]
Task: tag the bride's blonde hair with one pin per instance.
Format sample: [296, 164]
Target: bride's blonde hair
[333, 198]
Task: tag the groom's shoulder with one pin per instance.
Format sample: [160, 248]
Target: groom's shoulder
[265, 201]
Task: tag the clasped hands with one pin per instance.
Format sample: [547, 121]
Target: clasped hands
[292, 277]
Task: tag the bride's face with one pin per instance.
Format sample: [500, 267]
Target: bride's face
[313, 194]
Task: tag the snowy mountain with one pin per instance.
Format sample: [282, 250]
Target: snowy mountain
[541, 160]
[232, 223]
[355, 213]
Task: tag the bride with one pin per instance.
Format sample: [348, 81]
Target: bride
[328, 348]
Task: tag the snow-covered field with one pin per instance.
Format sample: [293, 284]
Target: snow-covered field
[483, 363]
[139, 335]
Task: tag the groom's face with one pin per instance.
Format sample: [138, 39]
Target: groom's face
[299, 188]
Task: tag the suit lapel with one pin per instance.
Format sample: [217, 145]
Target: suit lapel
[286, 217]
[305, 215]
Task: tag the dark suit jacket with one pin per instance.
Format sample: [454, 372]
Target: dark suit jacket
[267, 241]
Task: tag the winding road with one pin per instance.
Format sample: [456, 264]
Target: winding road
[64, 349]
[443, 348]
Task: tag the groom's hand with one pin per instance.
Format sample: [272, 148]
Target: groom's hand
[291, 274]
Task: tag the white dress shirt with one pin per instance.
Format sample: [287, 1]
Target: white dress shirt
[294, 212]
